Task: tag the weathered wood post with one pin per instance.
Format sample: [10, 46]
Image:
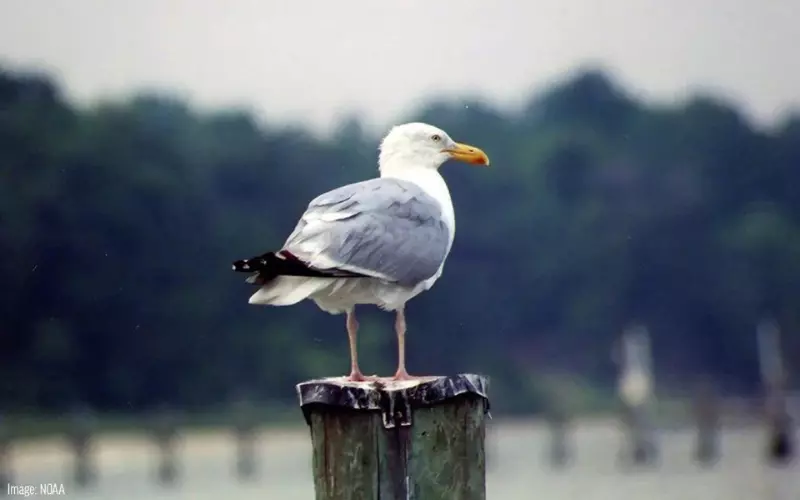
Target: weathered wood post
[420, 439]
[780, 428]
[6, 476]
[245, 427]
[635, 389]
[707, 416]
[80, 438]
[165, 434]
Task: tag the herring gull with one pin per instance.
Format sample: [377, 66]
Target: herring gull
[380, 241]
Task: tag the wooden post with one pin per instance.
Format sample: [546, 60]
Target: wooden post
[707, 416]
[246, 423]
[80, 437]
[420, 439]
[165, 434]
[6, 476]
[781, 446]
[636, 395]
[780, 429]
[558, 421]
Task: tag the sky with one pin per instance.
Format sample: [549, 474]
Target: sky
[315, 61]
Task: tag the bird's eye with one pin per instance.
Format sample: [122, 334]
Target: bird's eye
[436, 138]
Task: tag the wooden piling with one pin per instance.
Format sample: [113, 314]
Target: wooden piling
[636, 396]
[6, 476]
[421, 439]
[780, 428]
[245, 427]
[165, 433]
[559, 424]
[80, 438]
[707, 417]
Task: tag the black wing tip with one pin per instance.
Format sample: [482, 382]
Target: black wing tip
[260, 268]
[283, 263]
[243, 266]
[254, 264]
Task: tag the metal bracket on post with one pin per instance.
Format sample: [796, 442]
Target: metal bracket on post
[395, 409]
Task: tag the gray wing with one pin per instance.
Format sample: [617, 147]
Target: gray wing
[384, 228]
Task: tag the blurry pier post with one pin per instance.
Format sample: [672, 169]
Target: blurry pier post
[165, 434]
[635, 390]
[780, 431]
[707, 415]
[559, 423]
[246, 424]
[80, 438]
[6, 476]
[421, 439]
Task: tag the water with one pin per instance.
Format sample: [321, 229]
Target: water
[517, 457]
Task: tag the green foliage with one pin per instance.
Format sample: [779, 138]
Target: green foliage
[118, 223]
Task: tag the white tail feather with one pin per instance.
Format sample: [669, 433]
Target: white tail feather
[287, 290]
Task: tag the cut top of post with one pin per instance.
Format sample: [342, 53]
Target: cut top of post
[394, 399]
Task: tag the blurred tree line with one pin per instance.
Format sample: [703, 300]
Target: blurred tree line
[119, 220]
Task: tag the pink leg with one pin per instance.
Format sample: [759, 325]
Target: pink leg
[400, 329]
[352, 331]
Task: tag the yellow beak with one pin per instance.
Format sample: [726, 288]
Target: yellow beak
[468, 154]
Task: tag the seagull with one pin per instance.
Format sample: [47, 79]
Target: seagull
[381, 241]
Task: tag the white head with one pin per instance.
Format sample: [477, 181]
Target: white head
[419, 145]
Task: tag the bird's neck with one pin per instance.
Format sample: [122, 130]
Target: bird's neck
[430, 181]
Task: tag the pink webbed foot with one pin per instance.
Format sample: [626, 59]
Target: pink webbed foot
[403, 375]
[357, 376]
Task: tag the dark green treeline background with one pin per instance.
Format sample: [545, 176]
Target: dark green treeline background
[119, 220]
